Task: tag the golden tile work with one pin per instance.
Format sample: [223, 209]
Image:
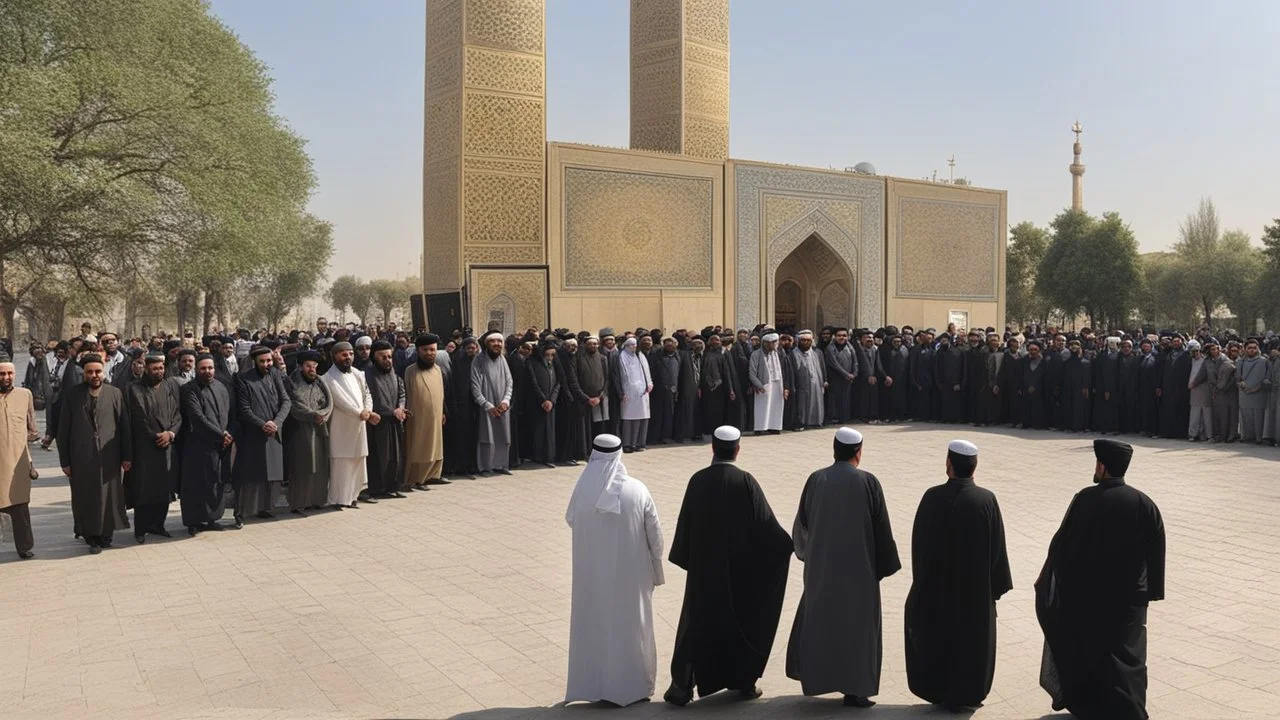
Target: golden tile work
[947, 248]
[493, 70]
[523, 291]
[509, 24]
[632, 229]
[502, 126]
[502, 209]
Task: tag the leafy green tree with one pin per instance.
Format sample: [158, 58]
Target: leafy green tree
[281, 285]
[1162, 300]
[1026, 249]
[1091, 265]
[388, 295]
[1269, 284]
[349, 291]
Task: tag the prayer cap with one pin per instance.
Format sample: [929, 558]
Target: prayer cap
[468, 340]
[311, 355]
[492, 334]
[631, 342]
[728, 434]
[364, 341]
[606, 332]
[848, 436]
[1114, 455]
[90, 358]
[91, 338]
[134, 352]
[257, 350]
[379, 345]
[171, 344]
[205, 340]
[697, 339]
[771, 337]
[340, 346]
[154, 357]
[606, 443]
[427, 339]
[804, 333]
[963, 447]
[186, 351]
[1193, 345]
[325, 342]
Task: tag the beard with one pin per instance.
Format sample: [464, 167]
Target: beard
[493, 354]
[425, 364]
[343, 365]
[6, 385]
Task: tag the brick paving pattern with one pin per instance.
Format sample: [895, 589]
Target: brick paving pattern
[456, 601]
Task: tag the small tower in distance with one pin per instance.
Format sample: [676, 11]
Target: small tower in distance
[1077, 171]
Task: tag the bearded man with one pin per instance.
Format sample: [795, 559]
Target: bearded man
[425, 413]
[155, 418]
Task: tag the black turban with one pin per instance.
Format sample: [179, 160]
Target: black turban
[1114, 455]
[427, 339]
[311, 355]
[204, 356]
[134, 352]
[257, 350]
[90, 358]
[379, 345]
[186, 351]
[171, 344]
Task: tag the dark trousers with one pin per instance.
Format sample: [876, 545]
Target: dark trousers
[149, 518]
[23, 540]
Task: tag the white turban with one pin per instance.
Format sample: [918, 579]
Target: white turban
[771, 337]
[963, 447]
[848, 436]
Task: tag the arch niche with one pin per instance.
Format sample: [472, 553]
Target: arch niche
[811, 286]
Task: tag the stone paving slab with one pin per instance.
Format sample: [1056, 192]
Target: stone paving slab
[455, 602]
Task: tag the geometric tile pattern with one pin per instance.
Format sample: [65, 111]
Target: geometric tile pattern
[970, 234]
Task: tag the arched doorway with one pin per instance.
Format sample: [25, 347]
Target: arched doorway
[813, 287]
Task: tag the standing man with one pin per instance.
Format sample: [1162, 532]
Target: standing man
[348, 441]
[544, 390]
[206, 448]
[959, 569]
[842, 370]
[716, 386]
[664, 365]
[920, 368]
[593, 381]
[491, 388]
[634, 382]
[1251, 379]
[155, 418]
[262, 405]
[306, 436]
[17, 428]
[949, 380]
[811, 382]
[866, 384]
[617, 561]
[424, 386]
[843, 537]
[94, 449]
[1200, 385]
[1105, 564]
[765, 373]
[1106, 388]
[737, 557]
[1175, 392]
[1226, 395]
[386, 437]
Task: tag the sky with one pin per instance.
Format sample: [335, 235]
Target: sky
[1177, 100]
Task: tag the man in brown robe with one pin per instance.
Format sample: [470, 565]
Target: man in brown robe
[94, 449]
[17, 428]
[425, 411]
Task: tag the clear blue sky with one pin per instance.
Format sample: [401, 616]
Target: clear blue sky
[1178, 100]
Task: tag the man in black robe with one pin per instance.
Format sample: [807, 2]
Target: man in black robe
[572, 439]
[207, 436]
[1057, 356]
[461, 429]
[737, 557]
[976, 387]
[1150, 377]
[716, 389]
[523, 409]
[894, 381]
[1105, 394]
[1175, 396]
[920, 370]
[949, 380]
[1128, 400]
[94, 448]
[959, 569]
[745, 405]
[155, 419]
[1033, 379]
[688, 425]
[544, 384]
[1010, 381]
[1077, 383]
[306, 436]
[842, 373]
[1105, 564]
[866, 383]
[262, 405]
[664, 363]
[592, 369]
[385, 461]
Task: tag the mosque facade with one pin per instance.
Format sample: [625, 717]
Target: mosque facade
[671, 232]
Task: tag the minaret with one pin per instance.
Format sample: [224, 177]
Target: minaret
[1077, 172]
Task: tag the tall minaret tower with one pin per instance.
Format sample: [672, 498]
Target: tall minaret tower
[1077, 171]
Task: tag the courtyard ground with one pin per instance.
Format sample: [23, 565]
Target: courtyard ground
[456, 601]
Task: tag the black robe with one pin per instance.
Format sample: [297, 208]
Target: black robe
[1053, 383]
[1105, 564]
[719, 378]
[1077, 380]
[893, 397]
[1128, 393]
[1150, 377]
[1010, 381]
[743, 409]
[688, 422]
[839, 386]
[153, 409]
[573, 437]
[1106, 392]
[737, 557]
[463, 421]
[976, 388]
[1175, 398]
[94, 438]
[665, 370]
[523, 409]
[921, 390]
[959, 570]
[385, 461]
[1033, 393]
[259, 457]
[544, 387]
[948, 373]
[866, 396]
[206, 466]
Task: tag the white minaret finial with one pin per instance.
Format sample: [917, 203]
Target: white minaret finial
[1077, 170]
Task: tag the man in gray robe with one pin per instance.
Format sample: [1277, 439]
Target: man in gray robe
[1251, 378]
[94, 449]
[811, 382]
[491, 388]
[306, 436]
[262, 405]
[386, 439]
[155, 418]
[1271, 416]
[842, 370]
[843, 537]
[1226, 396]
[1200, 387]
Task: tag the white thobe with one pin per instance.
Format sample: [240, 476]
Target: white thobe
[635, 386]
[617, 561]
[348, 442]
[768, 410]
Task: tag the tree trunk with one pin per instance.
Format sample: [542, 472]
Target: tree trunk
[185, 301]
[1208, 311]
[57, 316]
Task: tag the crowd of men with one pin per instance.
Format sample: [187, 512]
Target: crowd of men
[1104, 565]
[343, 415]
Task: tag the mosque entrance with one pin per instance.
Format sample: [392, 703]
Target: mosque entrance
[812, 287]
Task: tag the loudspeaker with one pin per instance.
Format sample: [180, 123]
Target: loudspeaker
[444, 313]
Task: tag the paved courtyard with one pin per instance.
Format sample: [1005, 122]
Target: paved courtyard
[456, 601]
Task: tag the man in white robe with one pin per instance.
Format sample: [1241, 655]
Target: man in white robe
[348, 441]
[617, 561]
[765, 372]
[634, 383]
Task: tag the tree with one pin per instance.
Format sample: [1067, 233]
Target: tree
[1091, 265]
[389, 295]
[1026, 249]
[1200, 247]
[349, 291]
[292, 276]
[1162, 301]
[1240, 268]
[1269, 291]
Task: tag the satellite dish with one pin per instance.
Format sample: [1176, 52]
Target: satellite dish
[865, 168]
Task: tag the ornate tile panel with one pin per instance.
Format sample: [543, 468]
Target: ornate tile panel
[970, 235]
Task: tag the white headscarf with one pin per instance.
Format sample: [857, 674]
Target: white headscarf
[600, 484]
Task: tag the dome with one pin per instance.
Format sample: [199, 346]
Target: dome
[865, 168]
